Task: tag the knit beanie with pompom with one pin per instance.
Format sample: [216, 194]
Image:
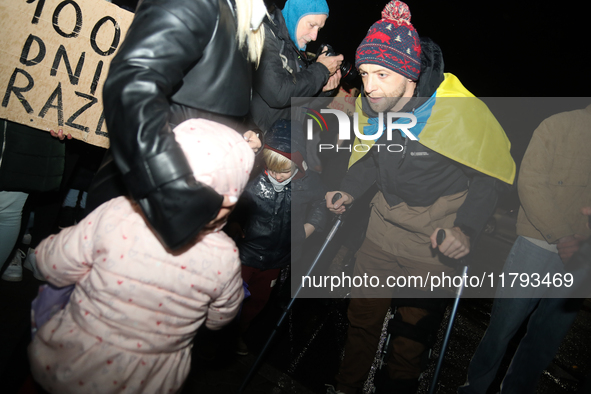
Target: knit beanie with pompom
[392, 42]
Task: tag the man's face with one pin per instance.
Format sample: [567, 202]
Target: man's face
[308, 28]
[384, 88]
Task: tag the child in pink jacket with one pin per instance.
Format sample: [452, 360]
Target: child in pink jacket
[136, 307]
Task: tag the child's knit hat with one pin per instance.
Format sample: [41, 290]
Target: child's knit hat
[218, 155]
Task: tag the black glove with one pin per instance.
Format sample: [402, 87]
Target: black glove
[178, 210]
[174, 203]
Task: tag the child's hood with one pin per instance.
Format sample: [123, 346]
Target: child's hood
[218, 155]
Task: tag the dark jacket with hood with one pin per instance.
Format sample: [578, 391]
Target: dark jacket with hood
[273, 222]
[179, 60]
[283, 73]
[419, 176]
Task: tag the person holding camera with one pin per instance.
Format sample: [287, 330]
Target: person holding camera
[285, 71]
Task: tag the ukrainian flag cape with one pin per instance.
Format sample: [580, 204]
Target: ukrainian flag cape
[458, 125]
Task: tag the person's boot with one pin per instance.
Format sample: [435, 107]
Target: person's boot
[241, 347]
[14, 271]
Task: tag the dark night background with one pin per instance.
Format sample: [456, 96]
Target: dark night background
[497, 49]
[521, 50]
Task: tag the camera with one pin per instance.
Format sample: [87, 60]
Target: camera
[348, 71]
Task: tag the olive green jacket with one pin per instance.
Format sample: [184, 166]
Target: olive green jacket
[555, 178]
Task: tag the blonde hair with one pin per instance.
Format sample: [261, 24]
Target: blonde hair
[253, 40]
[276, 162]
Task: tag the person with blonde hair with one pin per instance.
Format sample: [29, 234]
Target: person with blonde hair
[279, 209]
[181, 59]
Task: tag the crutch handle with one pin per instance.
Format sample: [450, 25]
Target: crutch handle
[337, 196]
[440, 236]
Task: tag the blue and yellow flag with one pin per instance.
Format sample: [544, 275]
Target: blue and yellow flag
[458, 125]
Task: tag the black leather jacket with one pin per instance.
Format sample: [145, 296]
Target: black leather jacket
[179, 60]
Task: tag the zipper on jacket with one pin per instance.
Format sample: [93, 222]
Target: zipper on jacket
[403, 152]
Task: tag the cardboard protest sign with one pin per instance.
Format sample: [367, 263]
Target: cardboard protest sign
[345, 101]
[55, 58]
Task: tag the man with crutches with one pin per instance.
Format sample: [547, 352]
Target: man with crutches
[443, 171]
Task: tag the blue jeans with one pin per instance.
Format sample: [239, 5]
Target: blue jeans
[550, 321]
[11, 209]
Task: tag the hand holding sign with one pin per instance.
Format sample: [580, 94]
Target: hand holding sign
[60, 134]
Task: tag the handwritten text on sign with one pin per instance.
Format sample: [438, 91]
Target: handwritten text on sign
[54, 60]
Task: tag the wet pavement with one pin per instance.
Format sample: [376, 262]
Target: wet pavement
[306, 352]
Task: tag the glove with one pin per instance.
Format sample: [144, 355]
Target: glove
[178, 210]
[174, 203]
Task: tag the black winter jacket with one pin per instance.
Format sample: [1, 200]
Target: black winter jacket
[419, 176]
[179, 60]
[273, 222]
[31, 160]
[282, 74]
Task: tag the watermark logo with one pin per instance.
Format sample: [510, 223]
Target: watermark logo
[345, 124]
[317, 117]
